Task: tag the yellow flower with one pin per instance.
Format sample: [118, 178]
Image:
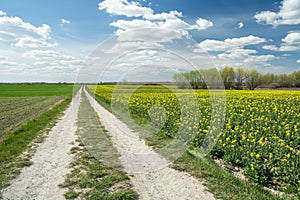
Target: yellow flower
[261, 141]
[271, 155]
[257, 156]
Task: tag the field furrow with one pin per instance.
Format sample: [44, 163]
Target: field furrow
[17, 110]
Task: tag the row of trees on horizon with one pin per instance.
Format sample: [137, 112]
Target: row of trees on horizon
[231, 78]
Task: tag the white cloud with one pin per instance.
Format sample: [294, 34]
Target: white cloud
[64, 21]
[270, 47]
[146, 29]
[124, 7]
[171, 20]
[237, 54]
[17, 25]
[33, 43]
[28, 54]
[202, 24]
[229, 44]
[291, 42]
[260, 58]
[133, 24]
[298, 61]
[289, 48]
[289, 14]
[53, 64]
[233, 51]
[164, 16]
[153, 36]
[245, 56]
[16, 32]
[141, 38]
[2, 13]
[293, 38]
[175, 24]
[240, 25]
[52, 57]
[267, 17]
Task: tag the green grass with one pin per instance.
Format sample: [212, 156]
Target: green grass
[95, 170]
[35, 90]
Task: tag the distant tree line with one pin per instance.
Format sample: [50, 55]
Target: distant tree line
[239, 78]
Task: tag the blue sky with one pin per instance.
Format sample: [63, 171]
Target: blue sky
[51, 40]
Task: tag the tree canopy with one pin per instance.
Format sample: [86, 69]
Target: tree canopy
[235, 79]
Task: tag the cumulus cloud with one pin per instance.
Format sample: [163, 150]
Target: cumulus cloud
[233, 51]
[18, 26]
[293, 38]
[291, 42]
[202, 24]
[145, 28]
[229, 43]
[298, 61]
[124, 7]
[245, 56]
[16, 32]
[289, 14]
[167, 20]
[28, 51]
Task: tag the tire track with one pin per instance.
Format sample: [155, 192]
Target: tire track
[150, 174]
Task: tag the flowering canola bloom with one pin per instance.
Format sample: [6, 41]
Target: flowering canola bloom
[260, 134]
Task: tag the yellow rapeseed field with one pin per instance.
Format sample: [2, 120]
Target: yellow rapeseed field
[260, 134]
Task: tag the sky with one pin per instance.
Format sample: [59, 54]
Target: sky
[112, 40]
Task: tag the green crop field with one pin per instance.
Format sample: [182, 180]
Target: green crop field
[20, 103]
[14, 111]
[261, 133]
[19, 90]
